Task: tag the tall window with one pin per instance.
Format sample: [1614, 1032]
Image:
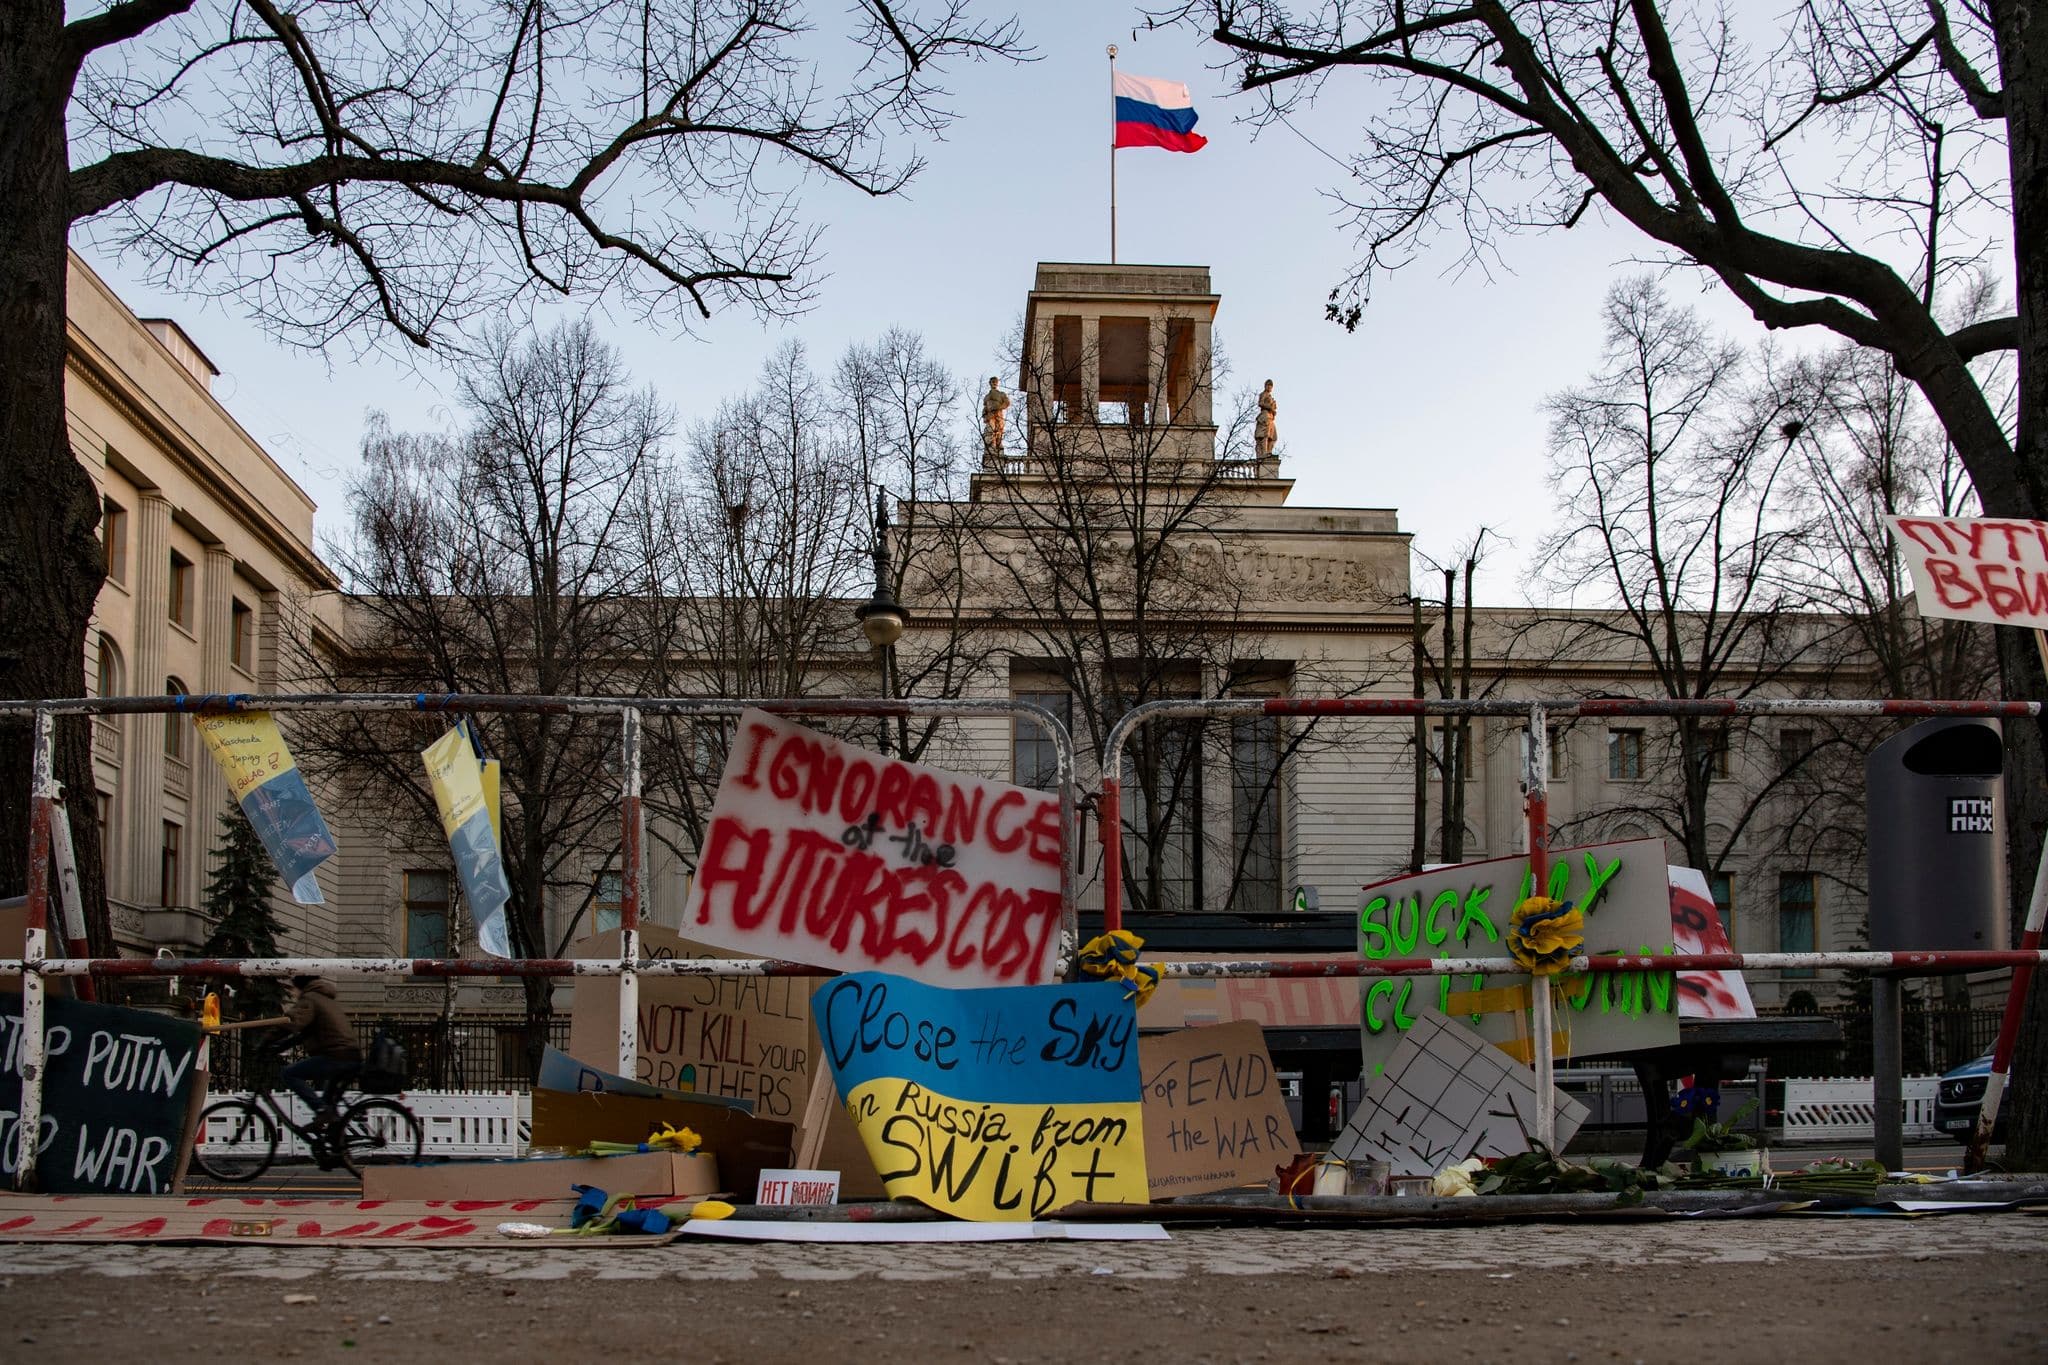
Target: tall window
[1558, 752]
[427, 897]
[242, 636]
[1624, 755]
[1441, 738]
[181, 590]
[1255, 787]
[605, 912]
[174, 723]
[1795, 917]
[109, 677]
[1035, 760]
[167, 875]
[103, 812]
[1715, 741]
[114, 539]
[1794, 743]
[1721, 885]
[1168, 843]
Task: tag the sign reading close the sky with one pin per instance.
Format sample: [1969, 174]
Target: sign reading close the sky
[831, 855]
[1977, 568]
[117, 1089]
[995, 1105]
[1462, 911]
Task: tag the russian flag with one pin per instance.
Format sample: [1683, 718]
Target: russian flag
[1153, 113]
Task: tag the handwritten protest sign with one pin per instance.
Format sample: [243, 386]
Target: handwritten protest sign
[837, 857]
[1447, 1094]
[1696, 928]
[995, 1105]
[1292, 1002]
[736, 1037]
[1214, 1115]
[263, 779]
[1977, 568]
[1462, 911]
[117, 1094]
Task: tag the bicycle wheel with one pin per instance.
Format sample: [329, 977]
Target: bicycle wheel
[379, 1133]
[237, 1141]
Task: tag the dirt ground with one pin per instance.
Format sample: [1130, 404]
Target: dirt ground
[1892, 1307]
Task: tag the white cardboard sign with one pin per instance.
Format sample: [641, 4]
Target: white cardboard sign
[831, 855]
[1977, 568]
[788, 1187]
[1447, 1094]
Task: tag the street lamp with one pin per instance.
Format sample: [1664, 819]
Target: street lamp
[882, 618]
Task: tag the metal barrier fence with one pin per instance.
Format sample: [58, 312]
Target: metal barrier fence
[458, 1053]
[34, 966]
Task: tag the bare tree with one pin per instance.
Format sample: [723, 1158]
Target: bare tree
[506, 558]
[1670, 472]
[344, 166]
[1840, 179]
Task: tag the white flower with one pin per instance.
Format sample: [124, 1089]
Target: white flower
[1456, 1180]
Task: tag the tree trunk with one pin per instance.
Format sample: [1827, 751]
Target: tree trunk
[2023, 63]
[50, 558]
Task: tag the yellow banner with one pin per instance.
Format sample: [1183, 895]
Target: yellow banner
[248, 748]
[999, 1162]
[457, 779]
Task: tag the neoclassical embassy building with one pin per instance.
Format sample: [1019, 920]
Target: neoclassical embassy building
[1128, 536]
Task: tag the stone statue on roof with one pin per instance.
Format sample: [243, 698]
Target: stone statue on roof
[1266, 434]
[995, 407]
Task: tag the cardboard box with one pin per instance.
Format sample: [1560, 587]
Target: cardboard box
[742, 1143]
[641, 1173]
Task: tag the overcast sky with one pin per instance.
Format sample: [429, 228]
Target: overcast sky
[1432, 407]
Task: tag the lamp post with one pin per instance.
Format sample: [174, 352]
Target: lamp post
[882, 618]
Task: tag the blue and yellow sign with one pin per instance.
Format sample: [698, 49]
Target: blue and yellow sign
[469, 818]
[263, 779]
[996, 1105]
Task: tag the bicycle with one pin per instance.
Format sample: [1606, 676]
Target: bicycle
[372, 1131]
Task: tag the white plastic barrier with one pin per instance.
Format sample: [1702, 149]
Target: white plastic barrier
[1843, 1110]
[471, 1123]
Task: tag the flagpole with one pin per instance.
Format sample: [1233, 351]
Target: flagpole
[1112, 153]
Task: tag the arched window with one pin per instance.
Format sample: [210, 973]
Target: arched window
[174, 722]
[109, 673]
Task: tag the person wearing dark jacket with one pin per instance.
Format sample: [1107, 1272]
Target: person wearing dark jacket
[321, 1027]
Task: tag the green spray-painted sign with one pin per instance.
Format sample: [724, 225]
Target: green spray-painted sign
[1463, 911]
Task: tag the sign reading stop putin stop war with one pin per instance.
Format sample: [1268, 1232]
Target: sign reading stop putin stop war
[994, 1105]
[1463, 910]
[1977, 568]
[832, 855]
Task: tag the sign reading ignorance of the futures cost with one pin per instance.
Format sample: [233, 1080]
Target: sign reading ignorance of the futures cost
[993, 1105]
[829, 854]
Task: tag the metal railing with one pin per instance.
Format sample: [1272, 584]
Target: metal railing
[34, 966]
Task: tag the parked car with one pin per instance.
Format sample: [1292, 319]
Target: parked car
[1961, 1094]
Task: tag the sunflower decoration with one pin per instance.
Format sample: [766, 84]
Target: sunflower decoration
[1114, 957]
[1543, 934]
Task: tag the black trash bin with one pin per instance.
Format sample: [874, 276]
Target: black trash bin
[1937, 838]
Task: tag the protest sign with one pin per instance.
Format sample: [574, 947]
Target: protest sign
[1276, 1002]
[744, 1038]
[1977, 568]
[560, 1071]
[1214, 1115]
[1463, 910]
[994, 1105]
[831, 855]
[1447, 1094]
[263, 779]
[783, 1188]
[117, 1096]
[1696, 928]
[457, 777]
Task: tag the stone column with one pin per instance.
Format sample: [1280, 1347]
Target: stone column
[216, 630]
[1202, 410]
[144, 774]
[1091, 369]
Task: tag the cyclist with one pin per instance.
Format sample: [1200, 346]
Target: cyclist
[332, 1057]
